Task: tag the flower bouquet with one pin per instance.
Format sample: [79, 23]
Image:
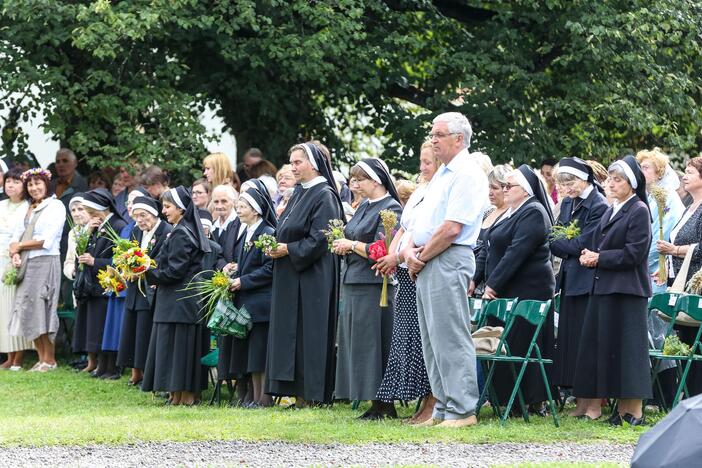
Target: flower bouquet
[82, 237]
[661, 196]
[209, 291]
[111, 281]
[379, 248]
[560, 231]
[129, 259]
[9, 278]
[266, 243]
[334, 231]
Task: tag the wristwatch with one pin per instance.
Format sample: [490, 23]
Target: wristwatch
[353, 246]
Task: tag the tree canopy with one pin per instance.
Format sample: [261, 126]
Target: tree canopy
[127, 79]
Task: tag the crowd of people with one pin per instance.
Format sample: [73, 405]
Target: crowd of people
[326, 323]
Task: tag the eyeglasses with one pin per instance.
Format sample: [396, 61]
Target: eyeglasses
[509, 186]
[440, 135]
[198, 192]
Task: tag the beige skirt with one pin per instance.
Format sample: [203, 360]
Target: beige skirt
[9, 343]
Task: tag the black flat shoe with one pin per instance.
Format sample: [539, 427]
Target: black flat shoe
[132, 383]
[107, 376]
[631, 420]
[614, 420]
[95, 374]
[587, 418]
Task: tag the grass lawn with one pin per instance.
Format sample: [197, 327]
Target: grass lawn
[64, 407]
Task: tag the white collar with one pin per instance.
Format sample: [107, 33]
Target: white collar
[153, 229]
[511, 211]
[316, 181]
[218, 223]
[251, 229]
[44, 203]
[586, 193]
[107, 218]
[370, 202]
[618, 205]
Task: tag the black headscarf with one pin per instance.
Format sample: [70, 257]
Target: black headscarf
[191, 218]
[323, 166]
[101, 199]
[537, 188]
[147, 204]
[580, 168]
[638, 183]
[376, 168]
[260, 202]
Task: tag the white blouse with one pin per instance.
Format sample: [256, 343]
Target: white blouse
[49, 227]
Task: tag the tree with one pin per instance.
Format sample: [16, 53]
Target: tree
[536, 78]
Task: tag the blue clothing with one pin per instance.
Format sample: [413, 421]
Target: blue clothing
[115, 308]
[673, 211]
[457, 192]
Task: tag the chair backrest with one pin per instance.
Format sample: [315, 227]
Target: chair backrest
[557, 303]
[498, 308]
[532, 311]
[476, 308]
[691, 304]
[665, 303]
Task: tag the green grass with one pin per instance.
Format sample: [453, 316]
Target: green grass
[64, 408]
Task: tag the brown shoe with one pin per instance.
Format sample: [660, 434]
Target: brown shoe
[429, 422]
[465, 422]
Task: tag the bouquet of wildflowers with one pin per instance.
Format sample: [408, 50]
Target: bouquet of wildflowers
[129, 259]
[334, 231]
[9, 278]
[211, 291]
[82, 237]
[266, 243]
[379, 248]
[560, 231]
[111, 281]
[661, 196]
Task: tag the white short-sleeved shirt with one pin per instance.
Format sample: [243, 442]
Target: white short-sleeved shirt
[458, 192]
[49, 227]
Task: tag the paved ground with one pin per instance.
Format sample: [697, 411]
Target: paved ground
[284, 454]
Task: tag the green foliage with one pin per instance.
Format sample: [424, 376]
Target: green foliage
[128, 79]
[674, 347]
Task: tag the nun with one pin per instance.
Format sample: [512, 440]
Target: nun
[116, 302]
[100, 208]
[252, 290]
[584, 204]
[516, 262]
[612, 359]
[365, 328]
[304, 299]
[150, 232]
[179, 337]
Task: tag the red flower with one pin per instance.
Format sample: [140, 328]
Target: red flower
[120, 287]
[139, 253]
[377, 250]
[138, 269]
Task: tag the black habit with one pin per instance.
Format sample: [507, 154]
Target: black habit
[92, 302]
[574, 281]
[304, 299]
[138, 307]
[516, 262]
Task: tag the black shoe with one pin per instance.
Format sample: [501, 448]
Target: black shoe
[586, 418]
[634, 421]
[615, 419]
[96, 373]
[108, 376]
[371, 414]
[133, 383]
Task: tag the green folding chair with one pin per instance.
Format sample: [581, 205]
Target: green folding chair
[663, 303]
[691, 304]
[536, 313]
[476, 310]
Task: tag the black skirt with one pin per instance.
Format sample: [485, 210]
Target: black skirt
[256, 345]
[694, 377]
[570, 325]
[613, 355]
[173, 362]
[89, 325]
[134, 338]
[233, 358]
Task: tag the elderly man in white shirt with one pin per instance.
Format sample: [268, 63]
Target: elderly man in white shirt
[440, 257]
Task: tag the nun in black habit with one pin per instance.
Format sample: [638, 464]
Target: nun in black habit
[99, 204]
[300, 359]
[179, 337]
[516, 262]
[252, 288]
[585, 204]
[613, 355]
[365, 328]
[150, 232]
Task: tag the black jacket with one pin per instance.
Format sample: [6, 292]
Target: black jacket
[229, 241]
[100, 247]
[256, 275]
[623, 244]
[575, 279]
[135, 299]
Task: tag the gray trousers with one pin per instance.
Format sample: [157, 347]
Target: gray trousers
[444, 324]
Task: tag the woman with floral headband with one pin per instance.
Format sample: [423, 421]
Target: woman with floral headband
[35, 249]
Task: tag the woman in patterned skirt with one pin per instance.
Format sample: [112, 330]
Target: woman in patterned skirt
[405, 374]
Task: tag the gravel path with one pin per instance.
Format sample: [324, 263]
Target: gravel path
[285, 454]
